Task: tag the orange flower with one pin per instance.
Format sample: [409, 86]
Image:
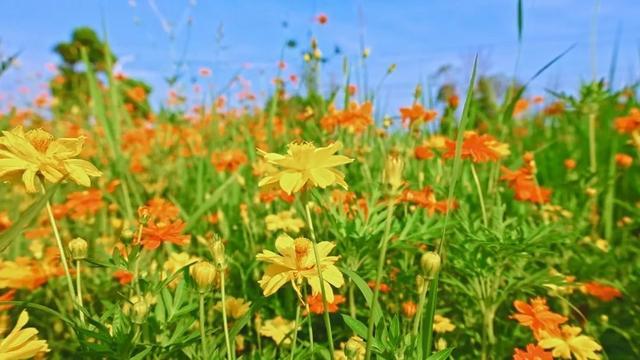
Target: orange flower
[356, 118]
[522, 182]
[416, 115]
[322, 18]
[162, 210]
[384, 288]
[555, 108]
[628, 124]
[82, 204]
[350, 203]
[316, 306]
[5, 222]
[533, 352]
[229, 160]
[123, 276]
[426, 199]
[155, 234]
[7, 296]
[478, 148]
[603, 292]
[423, 152]
[409, 309]
[521, 106]
[28, 273]
[137, 94]
[537, 316]
[570, 164]
[624, 160]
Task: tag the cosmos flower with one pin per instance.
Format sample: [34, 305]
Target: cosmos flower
[235, 307]
[478, 148]
[442, 324]
[22, 343]
[278, 329]
[316, 306]
[284, 220]
[155, 234]
[306, 165]
[35, 152]
[569, 342]
[416, 114]
[537, 316]
[533, 352]
[601, 291]
[296, 263]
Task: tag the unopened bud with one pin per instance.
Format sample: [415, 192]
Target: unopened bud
[430, 263]
[392, 68]
[139, 311]
[78, 249]
[204, 275]
[217, 248]
[144, 213]
[393, 172]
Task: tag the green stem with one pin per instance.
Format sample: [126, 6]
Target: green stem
[327, 321]
[311, 342]
[79, 288]
[63, 257]
[224, 317]
[376, 289]
[203, 338]
[485, 221]
[423, 298]
[592, 143]
[295, 331]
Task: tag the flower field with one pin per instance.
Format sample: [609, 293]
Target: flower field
[464, 224]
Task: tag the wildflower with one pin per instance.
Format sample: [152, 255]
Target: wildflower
[533, 352]
[423, 152]
[124, 277]
[537, 316]
[416, 115]
[235, 307]
[384, 288]
[155, 234]
[278, 329]
[229, 160]
[354, 349]
[322, 18]
[522, 181]
[442, 324]
[284, 220]
[5, 222]
[316, 306]
[426, 199]
[569, 342]
[160, 209]
[37, 153]
[306, 165]
[355, 118]
[22, 343]
[409, 309]
[478, 148]
[601, 291]
[296, 262]
[204, 275]
[623, 160]
[7, 296]
[204, 71]
[521, 106]
[29, 273]
[82, 204]
[174, 263]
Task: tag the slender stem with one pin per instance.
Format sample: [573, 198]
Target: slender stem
[485, 221]
[327, 321]
[63, 257]
[306, 304]
[203, 338]
[224, 316]
[421, 302]
[376, 289]
[295, 331]
[79, 288]
[592, 143]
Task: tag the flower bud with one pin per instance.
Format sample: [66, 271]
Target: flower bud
[430, 263]
[393, 172]
[217, 248]
[139, 311]
[204, 275]
[78, 249]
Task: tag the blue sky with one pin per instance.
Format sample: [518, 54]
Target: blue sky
[149, 36]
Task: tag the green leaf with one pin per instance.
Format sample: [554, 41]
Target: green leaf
[441, 355]
[142, 354]
[241, 322]
[208, 204]
[360, 329]
[366, 292]
[26, 218]
[520, 20]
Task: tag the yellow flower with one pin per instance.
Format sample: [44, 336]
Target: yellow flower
[354, 349]
[296, 262]
[442, 324]
[235, 307]
[37, 153]
[278, 329]
[571, 342]
[284, 220]
[304, 164]
[175, 262]
[22, 343]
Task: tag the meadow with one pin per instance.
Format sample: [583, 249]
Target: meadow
[476, 222]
